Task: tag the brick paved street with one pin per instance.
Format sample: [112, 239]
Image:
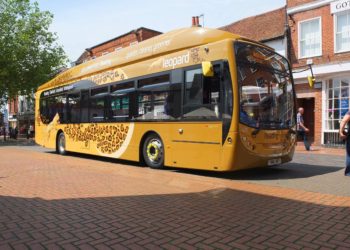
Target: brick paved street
[77, 202]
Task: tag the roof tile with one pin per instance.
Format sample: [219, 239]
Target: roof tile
[263, 27]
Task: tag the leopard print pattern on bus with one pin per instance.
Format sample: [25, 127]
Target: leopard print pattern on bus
[108, 138]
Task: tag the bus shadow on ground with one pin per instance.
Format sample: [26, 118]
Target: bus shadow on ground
[287, 171]
[101, 158]
[292, 170]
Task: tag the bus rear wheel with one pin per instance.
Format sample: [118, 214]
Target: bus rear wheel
[153, 151]
[61, 144]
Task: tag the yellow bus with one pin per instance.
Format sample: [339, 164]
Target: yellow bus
[192, 98]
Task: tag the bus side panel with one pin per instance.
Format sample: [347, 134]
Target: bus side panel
[228, 149]
[195, 145]
[103, 139]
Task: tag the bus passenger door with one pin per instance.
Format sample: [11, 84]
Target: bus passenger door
[196, 145]
[197, 140]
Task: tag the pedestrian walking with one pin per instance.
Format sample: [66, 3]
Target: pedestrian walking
[31, 131]
[302, 129]
[28, 133]
[344, 134]
[15, 133]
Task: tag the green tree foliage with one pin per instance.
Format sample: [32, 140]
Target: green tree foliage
[29, 53]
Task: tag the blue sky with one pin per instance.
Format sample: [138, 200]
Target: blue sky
[81, 24]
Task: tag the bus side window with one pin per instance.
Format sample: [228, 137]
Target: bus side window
[84, 107]
[152, 97]
[119, 107]
[73, 108]
[97, 109]
[202, 95]
[44, 110]
[60, 107]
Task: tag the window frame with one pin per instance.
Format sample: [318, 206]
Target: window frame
[219, 63]
[68, 111]
[299, 37]
[335, 22]
[335, 88]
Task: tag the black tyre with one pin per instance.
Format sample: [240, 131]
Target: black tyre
[61, 144]
[153, 151]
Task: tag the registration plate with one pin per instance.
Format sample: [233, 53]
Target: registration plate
[274, 162]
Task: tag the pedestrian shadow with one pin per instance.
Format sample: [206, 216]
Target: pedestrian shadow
[214, 219]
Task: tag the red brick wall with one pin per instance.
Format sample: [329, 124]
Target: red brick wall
[146, 34]
[13, 106]
[293, 3]
[112, 45]
[327, 21]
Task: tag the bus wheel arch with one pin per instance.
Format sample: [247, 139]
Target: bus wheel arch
[61, 143]
[151, 150]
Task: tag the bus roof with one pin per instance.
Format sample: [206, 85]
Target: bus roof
[166, 43]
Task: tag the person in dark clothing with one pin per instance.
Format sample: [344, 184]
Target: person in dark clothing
[15, 133]
[4, 132]
[345, 136]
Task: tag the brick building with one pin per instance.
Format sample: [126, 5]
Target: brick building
[128, 39]
[12, 112]
[268, 28]
[320, 35]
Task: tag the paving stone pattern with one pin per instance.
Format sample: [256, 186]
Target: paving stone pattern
[53, 202]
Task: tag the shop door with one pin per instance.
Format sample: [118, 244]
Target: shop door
[309, 115]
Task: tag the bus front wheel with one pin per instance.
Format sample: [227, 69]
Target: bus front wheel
[153, 151]
[61, 144]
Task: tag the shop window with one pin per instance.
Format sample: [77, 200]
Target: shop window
[337, 102]
[310, 38]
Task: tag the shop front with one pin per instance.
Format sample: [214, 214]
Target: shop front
[326, 104]
[24, 121]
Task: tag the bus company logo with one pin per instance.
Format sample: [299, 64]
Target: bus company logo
[175, 61]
